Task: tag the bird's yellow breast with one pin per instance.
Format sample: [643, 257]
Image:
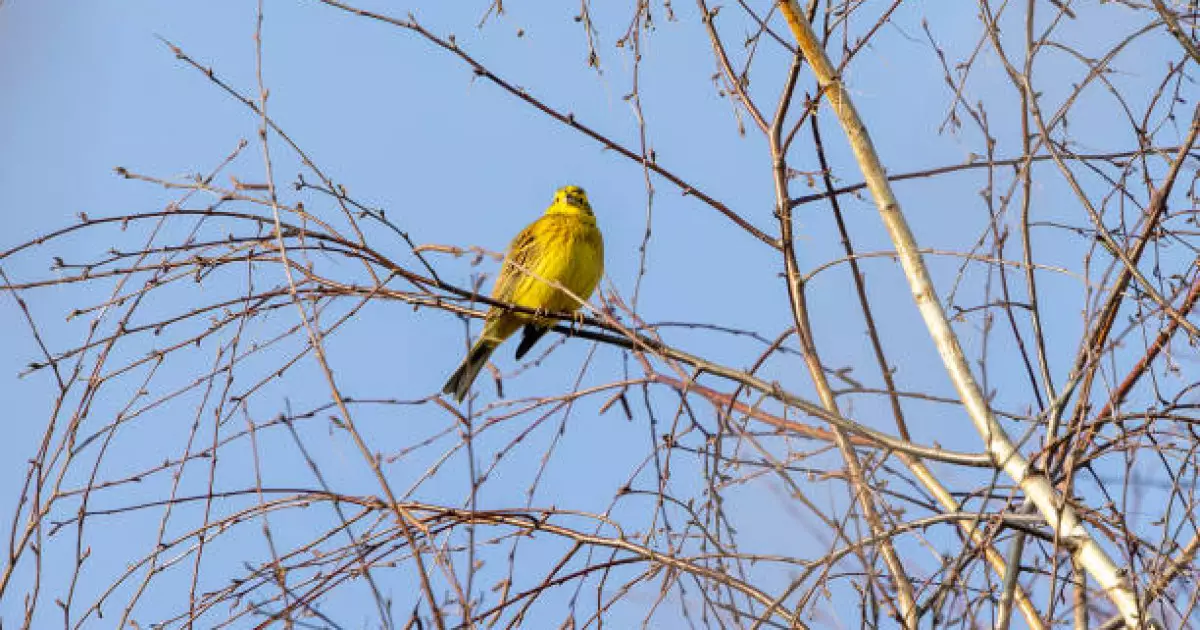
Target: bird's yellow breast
[553, 265]
[570, 256]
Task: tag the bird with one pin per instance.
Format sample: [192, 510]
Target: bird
[553, 265]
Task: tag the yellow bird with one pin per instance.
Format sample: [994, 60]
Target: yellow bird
[553, 265]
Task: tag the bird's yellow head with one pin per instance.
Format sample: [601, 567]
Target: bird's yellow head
[570, 200]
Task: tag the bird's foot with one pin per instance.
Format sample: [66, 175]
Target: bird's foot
[577, 322]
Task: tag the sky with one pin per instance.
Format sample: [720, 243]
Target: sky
[86, 87]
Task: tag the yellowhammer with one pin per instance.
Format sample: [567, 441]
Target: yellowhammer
[554, 264]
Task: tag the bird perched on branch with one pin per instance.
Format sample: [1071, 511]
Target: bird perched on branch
[553, 265]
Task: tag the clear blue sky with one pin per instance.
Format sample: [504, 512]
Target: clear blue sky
[88, 86]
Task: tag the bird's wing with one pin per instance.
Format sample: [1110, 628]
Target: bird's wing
[517, 262]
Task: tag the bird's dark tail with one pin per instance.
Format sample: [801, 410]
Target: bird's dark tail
[459, 383]
[529, 336]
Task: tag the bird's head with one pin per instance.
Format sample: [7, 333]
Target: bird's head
[570, 200]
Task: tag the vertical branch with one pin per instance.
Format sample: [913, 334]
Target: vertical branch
[1035, 312]
[1011, 584]
[1037, 487]
[907, 609]
[917, 467]
[906, 601]
[1079, 594]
